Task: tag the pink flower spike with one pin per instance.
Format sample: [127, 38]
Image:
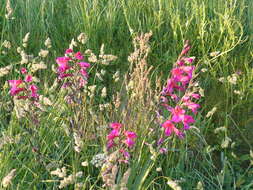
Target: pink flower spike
[130, 134]
[68, 51]
[28, 78]
[79, 55]
[84, 64]
[23, 70]
[116, 126]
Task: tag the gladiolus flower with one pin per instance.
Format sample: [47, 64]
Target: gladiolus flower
[187, 120]
[68, 51]
[116, 125]
[170, 128]
[177, 114]
[34, 89]
[113, 134]
[84, 64]
[79, 55]
[129, 142]
[28, 78]
[23, 70]
[130, 134]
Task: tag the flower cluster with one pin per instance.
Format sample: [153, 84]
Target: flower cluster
[24, 89]
[71, 66]
[179, 91]
[126, 137]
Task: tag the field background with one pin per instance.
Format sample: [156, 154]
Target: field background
[210, 25]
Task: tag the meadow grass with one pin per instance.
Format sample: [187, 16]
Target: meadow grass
[214, 155]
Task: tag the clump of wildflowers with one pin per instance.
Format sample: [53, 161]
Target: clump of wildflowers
[25, 93]
[181, 92]
[121, 138]
[73, 70]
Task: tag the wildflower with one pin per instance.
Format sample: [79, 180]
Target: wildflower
[34, 90]
[28, 78]
[115, 125]
[84, 64]
[170, 128]
[14, 87]
[177, 114]
[63, 64]
[187, 120]
[192, 106]
[130, 138]
[23, 70]
[79, 55]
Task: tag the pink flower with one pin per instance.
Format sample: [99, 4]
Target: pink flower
[14, 91]
[34, 89]
[192, 106]
[15, 83]
[23, 70]
[189, 59]
[63, 63]
[116, 125]
[163, 150]
[113, 134]
[84, 64]
[195, 95]
[129, 142]
[14, 87]
[79, 55]
[68, 51]
[177, 114]
[130, 134]
[170, 128]
[187, 120]
[28, 78]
